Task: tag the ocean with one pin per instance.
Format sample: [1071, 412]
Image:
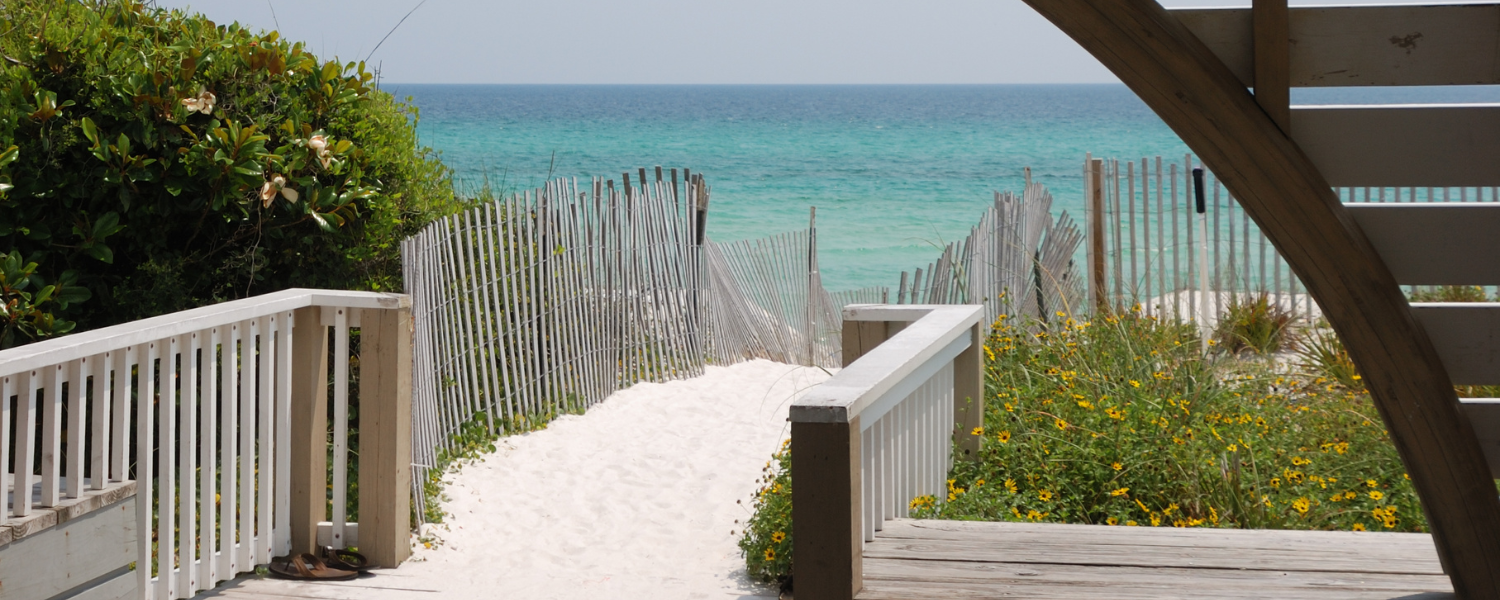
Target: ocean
[895, 171]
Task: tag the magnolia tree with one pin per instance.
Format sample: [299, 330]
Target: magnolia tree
[158, 161]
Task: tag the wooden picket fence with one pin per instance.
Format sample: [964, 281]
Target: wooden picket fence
[1148, 246]
[1018, 260]
[548, 301]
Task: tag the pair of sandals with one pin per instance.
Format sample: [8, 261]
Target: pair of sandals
[335, 565]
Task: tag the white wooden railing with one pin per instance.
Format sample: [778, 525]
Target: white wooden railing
[227, 454]
[880, 433]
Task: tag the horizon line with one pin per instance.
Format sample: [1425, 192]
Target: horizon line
[751, 84]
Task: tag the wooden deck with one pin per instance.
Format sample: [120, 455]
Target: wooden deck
[956, 559]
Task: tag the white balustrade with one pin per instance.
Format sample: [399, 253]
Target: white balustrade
[212, 396]
[880, 432]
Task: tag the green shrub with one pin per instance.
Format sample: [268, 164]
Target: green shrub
[767, 540]
[1124, 422]
[166, 162]
[1450, 293]
[1255, 325]
[1322, 355]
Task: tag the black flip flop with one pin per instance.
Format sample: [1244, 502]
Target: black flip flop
[306, 567]
[345, 559]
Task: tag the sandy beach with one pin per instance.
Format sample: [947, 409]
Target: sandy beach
[635, 499]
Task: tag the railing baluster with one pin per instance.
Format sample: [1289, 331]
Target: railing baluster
[166, 467]
[76, 450]
[7, 389]
[99, 433]
[208, 419]
[282, 540]
[264, 458]
[25, 442]
[228, 419]
[119, 437]
[187, 382]
[144, 358]
[52, 404]
[340, 423]
[244, 557]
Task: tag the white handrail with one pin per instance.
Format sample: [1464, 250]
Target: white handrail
[59, 350]
[937, 333]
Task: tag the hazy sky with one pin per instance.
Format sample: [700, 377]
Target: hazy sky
[683, 41]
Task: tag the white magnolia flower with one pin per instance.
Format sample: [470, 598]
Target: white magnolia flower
[276, 184]
[204, 103]
[319, 145]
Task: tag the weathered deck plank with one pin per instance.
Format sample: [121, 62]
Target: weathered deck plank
[952, 559]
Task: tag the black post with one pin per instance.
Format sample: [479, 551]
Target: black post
[1198, 190]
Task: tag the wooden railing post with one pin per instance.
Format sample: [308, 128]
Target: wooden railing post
[385, 436]
[309, 448]
[827, 540]
[1098, 283]
[860, 337]
[968, 394]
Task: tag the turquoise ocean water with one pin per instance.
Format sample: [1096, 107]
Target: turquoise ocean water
[894, 171]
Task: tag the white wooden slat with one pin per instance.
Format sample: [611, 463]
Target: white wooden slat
[880, 462]
[1401, 145]
[166, 466]
[245, 499]
[99, 431]
[208, 443]
[7, 389]
[119, 437]
[1484, 415]
[899, 455]
[51, 413]
[867, 483]
[228, 444]
[1434, 243]
[76, 451]
[187, 512]
[1413, 44]
[340, 423]
[1465, 335]
[282, 540]
[143, 357]
[908, 454]
[265, 457]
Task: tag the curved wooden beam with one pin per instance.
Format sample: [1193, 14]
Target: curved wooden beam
[1198, 96]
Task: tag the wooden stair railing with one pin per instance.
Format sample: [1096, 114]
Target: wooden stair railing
[1193, 69]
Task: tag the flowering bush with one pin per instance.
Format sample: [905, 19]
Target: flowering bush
[1122, 421]
[767, 540]
[168, 161]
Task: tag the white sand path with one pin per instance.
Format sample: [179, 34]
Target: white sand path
[635, 499]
